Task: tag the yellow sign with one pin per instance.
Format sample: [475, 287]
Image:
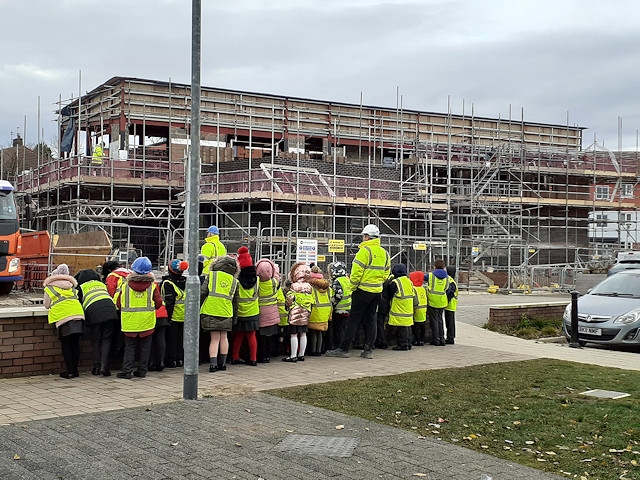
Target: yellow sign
[321, 258]
[419, 246]
[336, 246]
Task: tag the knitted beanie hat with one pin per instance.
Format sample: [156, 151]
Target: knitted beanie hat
[265, 269]
[178, 266]
[244, 258]
[61, 269]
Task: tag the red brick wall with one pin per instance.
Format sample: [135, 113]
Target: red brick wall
[511, 314]
[30, 346]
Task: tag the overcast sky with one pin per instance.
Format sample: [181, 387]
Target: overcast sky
[548, 59]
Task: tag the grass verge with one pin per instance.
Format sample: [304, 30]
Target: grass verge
[528, 412]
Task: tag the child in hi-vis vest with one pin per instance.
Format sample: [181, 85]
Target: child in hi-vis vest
[65, 311]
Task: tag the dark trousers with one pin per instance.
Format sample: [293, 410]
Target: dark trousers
[436, 322]
[364, 307]
[175, 342]
[315, 341]
[404, 337]
[419, 331]
[450, 324]
[71, 352]
[381, 332]
[130, 345]
[264, 347]
[158, 346]
[117, 339]
[335, 332]
[101, 344]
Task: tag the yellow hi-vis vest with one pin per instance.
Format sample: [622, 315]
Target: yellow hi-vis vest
[401, 312]
[345, 303]
[248, 305]
[97, 156]
[436, 291]
[420, 310]
[178, 306]
[321, 308]
[282, 308]
[138, 310]
[219, 302]
[92, 291]
[64, 303]
[267, 292]
[370, 267]
[453, 303]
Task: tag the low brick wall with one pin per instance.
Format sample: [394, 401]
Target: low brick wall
[30, 346]
[510, 314]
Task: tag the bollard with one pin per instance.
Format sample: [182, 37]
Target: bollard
[574, 320]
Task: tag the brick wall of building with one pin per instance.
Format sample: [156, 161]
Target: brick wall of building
[30, 346]
[511, 314]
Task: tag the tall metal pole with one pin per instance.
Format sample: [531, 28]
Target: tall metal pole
[192, 310]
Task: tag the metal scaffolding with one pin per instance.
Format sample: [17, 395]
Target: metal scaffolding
[486, 194]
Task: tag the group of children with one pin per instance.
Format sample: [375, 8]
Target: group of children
[245, 307]
[124, 312]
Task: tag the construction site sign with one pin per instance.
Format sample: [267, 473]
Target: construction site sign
[419, 246]
[322, 258]
[336, 246]
[307, 250]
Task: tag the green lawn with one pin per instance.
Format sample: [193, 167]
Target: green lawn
[527, 412]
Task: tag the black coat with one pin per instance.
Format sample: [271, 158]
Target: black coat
[100, 311]
[169, 293]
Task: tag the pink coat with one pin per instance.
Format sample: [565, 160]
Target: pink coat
[268, 274]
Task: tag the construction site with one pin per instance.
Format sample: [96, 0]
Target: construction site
[509, 202]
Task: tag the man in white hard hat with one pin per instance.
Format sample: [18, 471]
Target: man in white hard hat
[369, 270]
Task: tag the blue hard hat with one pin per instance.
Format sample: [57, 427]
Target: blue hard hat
[141, 265]
[213, 230]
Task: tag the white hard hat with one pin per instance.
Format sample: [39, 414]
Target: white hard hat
[371, 230]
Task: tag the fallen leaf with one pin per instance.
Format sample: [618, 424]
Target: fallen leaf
[424, 398]
[248, 410]
[174, 444]
[517, 422]
[484, 446]
[541, 459]
[367, 429]
[551, 453]
[529, 442]
[16, 457]
[339, 427]
[508, 441]
[398, 412]
[289, 431]
[147, 409]
[238, 444]
[442, 420]
[506, 447]
[398, 391]
[309, 412]
[419, 474]
[516, 408]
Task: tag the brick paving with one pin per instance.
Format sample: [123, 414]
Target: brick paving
[95, 427]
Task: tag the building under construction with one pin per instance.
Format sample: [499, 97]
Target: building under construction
[496, 195]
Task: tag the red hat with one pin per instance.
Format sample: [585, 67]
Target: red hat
[244, 259]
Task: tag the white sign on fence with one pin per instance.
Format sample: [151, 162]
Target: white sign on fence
[307, 250]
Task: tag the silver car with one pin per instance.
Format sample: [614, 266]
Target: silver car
[609, 314]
